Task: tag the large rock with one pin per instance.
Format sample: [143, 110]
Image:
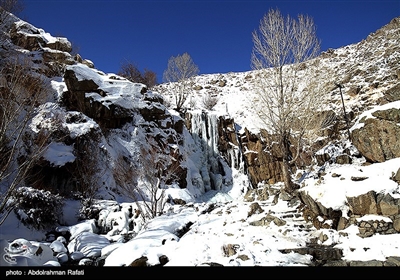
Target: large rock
[363, 204]
[53, 52]
[31, 38]
[388, 205]
[313, 211]
[378, 137]
[393, 94]
[110, 100]
[262, 160]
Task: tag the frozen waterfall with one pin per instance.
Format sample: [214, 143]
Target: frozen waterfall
[214, 170]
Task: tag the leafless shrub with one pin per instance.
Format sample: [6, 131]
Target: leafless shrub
[131, 72]
[21, 91]
[144, 181]
[209, 101]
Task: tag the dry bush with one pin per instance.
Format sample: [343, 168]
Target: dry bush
[131, 72]
[209, 101]
[150, 78]
[144, 181]
[21, 91]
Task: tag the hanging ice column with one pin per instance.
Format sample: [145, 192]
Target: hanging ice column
[213, 168]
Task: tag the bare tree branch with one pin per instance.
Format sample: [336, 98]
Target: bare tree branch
[21, 92]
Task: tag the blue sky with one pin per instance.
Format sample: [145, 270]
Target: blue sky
[216, 34]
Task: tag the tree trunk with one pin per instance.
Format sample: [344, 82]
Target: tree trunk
[289, 186]
[287, 179]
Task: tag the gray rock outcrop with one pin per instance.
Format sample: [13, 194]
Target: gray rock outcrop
[378, 138]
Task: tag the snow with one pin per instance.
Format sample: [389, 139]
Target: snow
[217, 219]
[368, 114]
[119, 90]
[332, 191]
[59, 154]
[227, 224]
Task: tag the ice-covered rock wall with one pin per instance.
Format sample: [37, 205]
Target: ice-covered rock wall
[214, 166]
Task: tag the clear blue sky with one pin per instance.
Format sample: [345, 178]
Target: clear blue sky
[216, 33]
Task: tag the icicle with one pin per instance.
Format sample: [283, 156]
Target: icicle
[216, 172]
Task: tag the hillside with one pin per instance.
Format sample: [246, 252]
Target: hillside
[116, 177]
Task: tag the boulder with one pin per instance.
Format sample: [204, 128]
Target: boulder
[262, 161]
[387, 205]
[393, 94]
[363, 204]
[108, 100]
[377, 138]
[313, 211]
[31, 38]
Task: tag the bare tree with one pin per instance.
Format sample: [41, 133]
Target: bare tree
[144, 181]
[150, 78]
[21, 92]
[180, 69]
[288, 92]
[131, 72]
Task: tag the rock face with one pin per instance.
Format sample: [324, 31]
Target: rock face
[262, 159]
[378, 139]
[52, 52]
[376, 136]
[374, 203]
[31, 38]
[248, 151]
[393, 94]
[92, 93]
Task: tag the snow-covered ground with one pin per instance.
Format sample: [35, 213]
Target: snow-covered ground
[220, 222]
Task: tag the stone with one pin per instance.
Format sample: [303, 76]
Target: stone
[363, 204]
[230, 249]
[142, 261]
[393, 94]
[255, 208]
[396, 223]
[378, 139]
[388, 205]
